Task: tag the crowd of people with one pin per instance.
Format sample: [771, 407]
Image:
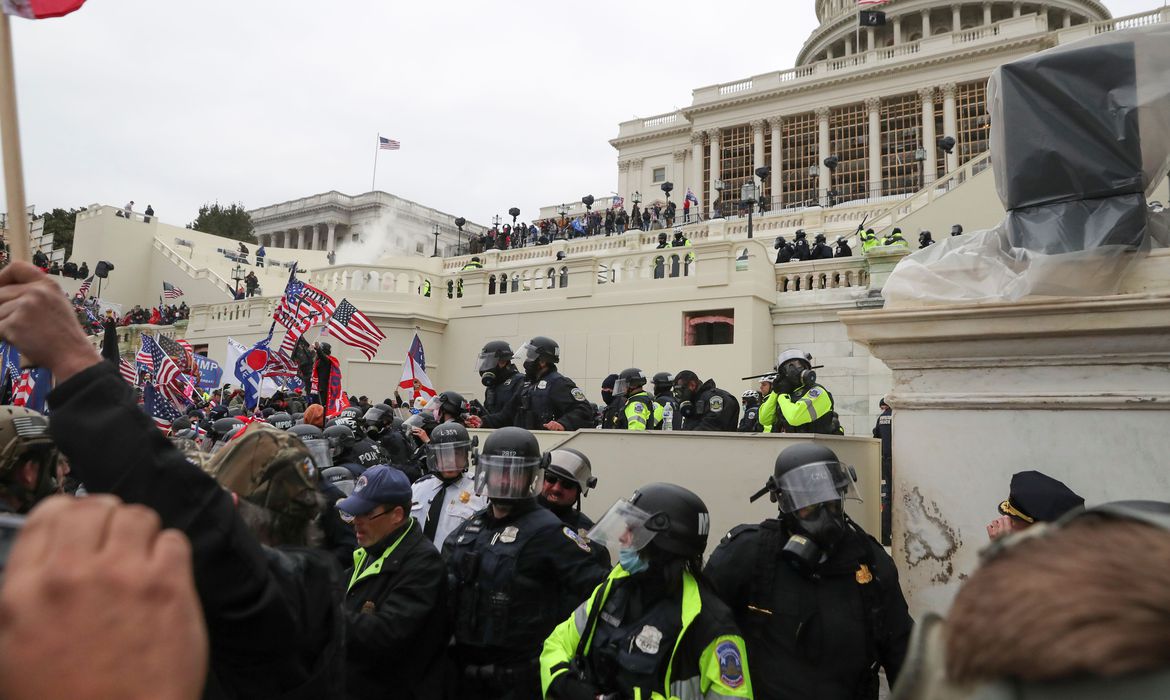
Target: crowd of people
[800, 249]
[608, 222]
[372, 552]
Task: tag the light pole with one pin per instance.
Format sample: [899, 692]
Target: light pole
[814, 173]
[830, 194]
[920, 156]
[237, 275]
[587, 200]
[435, 233]
[719, 208]
[750, 193]
[459, 224]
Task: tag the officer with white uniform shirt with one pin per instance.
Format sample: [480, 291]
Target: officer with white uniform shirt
[446, 497]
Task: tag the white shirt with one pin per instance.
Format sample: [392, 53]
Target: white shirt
[461, 503]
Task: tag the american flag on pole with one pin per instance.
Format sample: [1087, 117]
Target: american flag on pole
[129, 372]
[166, 373]
[160, 410]
[26, 383]
[415, 369]
[301, 300]
[170, 291]
[355, 329]
[386, 144]
[84, 288]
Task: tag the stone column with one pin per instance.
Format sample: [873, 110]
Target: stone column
[624, 179]
[986, 14]
[758, 126]
[874, 105]
[897, 31]
[331, 238]
[304, 242]
[1067, 19]
[824, 181]
[956, 18]
[870, 39]
[636, 180]
[951, 124]
[926, 24]
[713, 141]
[315, 244]
[777, 124]
[1015, 9]
[930, 165]
[696, 178]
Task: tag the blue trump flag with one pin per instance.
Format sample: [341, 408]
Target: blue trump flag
[210, 373]
[250, 369]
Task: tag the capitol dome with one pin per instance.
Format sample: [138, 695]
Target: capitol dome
[911, 20]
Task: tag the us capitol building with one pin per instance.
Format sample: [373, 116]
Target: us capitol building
[969, 383]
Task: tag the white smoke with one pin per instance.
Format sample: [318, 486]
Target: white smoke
[377, 241]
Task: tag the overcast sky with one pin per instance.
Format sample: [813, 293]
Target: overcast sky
[497, 104]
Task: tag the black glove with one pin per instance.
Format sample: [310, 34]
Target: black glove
[567, 687]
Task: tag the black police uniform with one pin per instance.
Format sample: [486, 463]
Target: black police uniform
[365, 452]
[581, 523]
[397, 631]
[609, 416]
[509, 382]
[784, 253]
[821, 251]
[750, 423]
[677, 421]
[553, 397]
[823, 637]
[512, 580]
[394, 442]
[338, 536]
[800, 249]
[714, 409]
[883, 430]
[273, 614]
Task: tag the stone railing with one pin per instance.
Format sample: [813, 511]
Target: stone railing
[129, 336]
[373, 279]
[941, 187]
[191, 270]
[831, 273]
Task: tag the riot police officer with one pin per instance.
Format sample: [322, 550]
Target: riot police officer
[567, 479]
[445, 497]
[820, 249]
[360, 449]
[549, 399]
[655, 628]
[750, 423]
[797, 403]
[813, 593]
[800, 249]
[501, 379]
[869, 239]
[511, 568]
[924, 239]
[382, 429]
[280, 420]
[637, 410]
[843, 249]
[663, 394]
[704, 406]
[784, 250]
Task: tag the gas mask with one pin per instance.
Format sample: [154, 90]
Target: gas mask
[488, 378]
[814, 535]
[531, 368]
[684, 396]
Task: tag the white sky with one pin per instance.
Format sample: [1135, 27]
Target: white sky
[497, 104]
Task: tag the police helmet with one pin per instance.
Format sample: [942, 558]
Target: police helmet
[280, 421]
[662, 237]
[840, 240]
[663, 381]
[780, 241]
[957, 230]
[675, 519]
[297, 416]
[820, 238]
[305, 431]
[807, 474]
[340, 438]
[800, 233]
[348, 417]
[567, 463]
[678, 231]
[770, 380]
[805, 358]
[750, 394]
[475, 258]
[225, 426]
[268, 412]
[493, 351]
[235, 412]
[379, 414]
[449, 449]
[325, 347]
[451, 403]
[24, 437]
[180, 424]
[539, 348]
[632, 378]
[509, 468]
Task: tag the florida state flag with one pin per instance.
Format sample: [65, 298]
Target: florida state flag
[40, 9]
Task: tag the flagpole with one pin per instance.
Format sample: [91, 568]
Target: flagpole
[10, 144]
[374, 177]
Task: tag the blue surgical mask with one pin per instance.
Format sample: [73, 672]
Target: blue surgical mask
[631, 562]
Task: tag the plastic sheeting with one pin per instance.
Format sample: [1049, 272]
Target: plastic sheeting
[1079, 134]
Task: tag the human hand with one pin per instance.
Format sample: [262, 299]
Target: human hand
[37, 319]
[553, 425]
[420, 434]
[474, 422]
[99, 602]
[1001, 526]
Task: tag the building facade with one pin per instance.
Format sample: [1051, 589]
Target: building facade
[336, 221]
[861, 115]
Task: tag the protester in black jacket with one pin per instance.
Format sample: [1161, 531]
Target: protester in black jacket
[395, 600]
[270, 616]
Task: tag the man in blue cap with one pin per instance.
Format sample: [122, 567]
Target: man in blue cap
[1034, 498]
[395, 596]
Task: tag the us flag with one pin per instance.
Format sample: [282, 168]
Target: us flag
[160, 410]
[355, 329]
[300, 301]
[170, 291]
[129, 372]
[388, 144]
[84, 288]
[166, 372]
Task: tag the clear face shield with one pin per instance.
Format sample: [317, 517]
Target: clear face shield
[321, 452]
[623, 527]
[448, 458]
[486, 362]
[621, 386]
[814, 484]
[373, 415]
[507, 478]
[527, 353]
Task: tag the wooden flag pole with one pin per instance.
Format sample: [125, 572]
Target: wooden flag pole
[10, 143]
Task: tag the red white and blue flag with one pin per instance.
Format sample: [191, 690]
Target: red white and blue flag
[302, 300]
[415, 370]
[84, 288]
[39, 9]
[170, 291]
[160, 410]
[129, 372]
[173, 384]
[386, 144]
[691, 197]
[355, 329]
